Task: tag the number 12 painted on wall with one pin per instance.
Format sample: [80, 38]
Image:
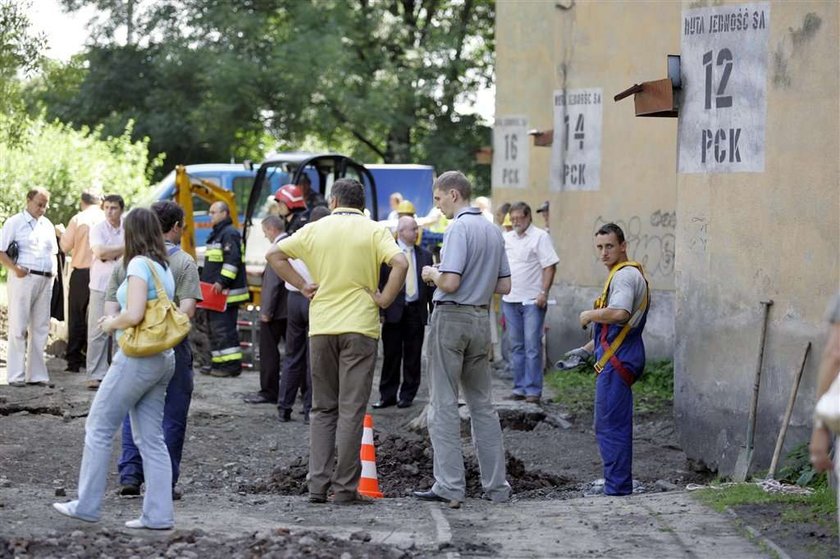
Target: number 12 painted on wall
[724, 58]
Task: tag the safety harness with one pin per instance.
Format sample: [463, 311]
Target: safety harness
[610, 349]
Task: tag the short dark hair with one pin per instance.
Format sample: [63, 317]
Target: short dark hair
[318, 212]
[91, 198]
[169, 214]
[349, 193]
[454, 180]
[115, 199]
[274, 222]
[520, 207]
[608, 228]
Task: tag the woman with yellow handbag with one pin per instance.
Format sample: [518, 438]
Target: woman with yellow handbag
[134, 384]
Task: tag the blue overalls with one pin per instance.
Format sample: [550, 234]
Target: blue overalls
[613, 395]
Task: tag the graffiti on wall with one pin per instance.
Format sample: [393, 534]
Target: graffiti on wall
[650, 241]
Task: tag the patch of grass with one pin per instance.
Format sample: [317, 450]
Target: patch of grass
[822, 504]
[575, 389]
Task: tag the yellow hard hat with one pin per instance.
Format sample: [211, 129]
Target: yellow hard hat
[507, 222]
[406, 207]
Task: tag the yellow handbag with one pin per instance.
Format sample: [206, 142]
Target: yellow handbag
[163, 326]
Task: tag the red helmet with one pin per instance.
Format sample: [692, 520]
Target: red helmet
[291, 195]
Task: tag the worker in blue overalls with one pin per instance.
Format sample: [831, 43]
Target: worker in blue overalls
[619, 319]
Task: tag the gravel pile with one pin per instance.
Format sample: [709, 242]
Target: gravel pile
[195, 544]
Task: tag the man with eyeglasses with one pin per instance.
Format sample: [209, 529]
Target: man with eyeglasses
[30, 287]
[533, 263]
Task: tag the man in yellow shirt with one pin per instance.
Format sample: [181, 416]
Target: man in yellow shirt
[343, 253]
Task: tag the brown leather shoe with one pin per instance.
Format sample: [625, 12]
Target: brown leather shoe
[358, 499]
[532, 399]
[93, 384]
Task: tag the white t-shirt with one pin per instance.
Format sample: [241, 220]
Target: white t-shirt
[627, 291]
[528, 255]
[103, 234]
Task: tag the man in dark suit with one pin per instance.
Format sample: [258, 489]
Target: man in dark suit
[404, 323]
[272, 321]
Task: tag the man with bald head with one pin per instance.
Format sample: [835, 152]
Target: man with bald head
[404, 323]
[224, 268]
[30, 277]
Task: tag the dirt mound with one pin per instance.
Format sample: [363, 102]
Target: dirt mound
[404, 465]
[279, 543]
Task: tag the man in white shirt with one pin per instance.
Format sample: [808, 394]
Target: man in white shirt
[272, 321]
[107, 243]
[29, 288]
[75, 240]
[533, 263]
[297, 374]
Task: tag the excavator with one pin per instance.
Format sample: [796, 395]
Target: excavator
[186, 187]
[322, 169]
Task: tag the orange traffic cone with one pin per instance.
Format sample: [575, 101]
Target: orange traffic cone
[369, 483]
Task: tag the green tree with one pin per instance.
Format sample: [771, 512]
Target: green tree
[67, 161]
[20, 53]
[206, 79]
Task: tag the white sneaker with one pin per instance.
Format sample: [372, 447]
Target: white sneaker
[137, 524]
[64, 508]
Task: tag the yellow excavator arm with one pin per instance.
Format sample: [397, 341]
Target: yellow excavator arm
[185, 187]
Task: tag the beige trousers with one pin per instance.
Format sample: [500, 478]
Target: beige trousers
[29, 326]
[342, 375]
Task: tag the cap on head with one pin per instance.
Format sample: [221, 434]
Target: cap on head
[543, 207]
[291, 195]
[406, 207]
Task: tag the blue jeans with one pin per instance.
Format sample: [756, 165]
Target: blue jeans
[175, 410]
[137, 386]
[524, 328]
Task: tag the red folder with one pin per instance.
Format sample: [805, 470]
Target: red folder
[212, 301]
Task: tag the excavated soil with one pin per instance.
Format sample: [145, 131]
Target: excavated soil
[405, 464]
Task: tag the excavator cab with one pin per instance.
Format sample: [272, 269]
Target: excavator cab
[322, 169]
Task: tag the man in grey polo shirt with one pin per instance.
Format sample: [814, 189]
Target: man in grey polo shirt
[473, 266]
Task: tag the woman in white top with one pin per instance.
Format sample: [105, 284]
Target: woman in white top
[133, 385]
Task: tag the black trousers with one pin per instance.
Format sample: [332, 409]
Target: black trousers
[77, 308]
[271, 333]
[402, 346]
[225, 351]
[296, 373]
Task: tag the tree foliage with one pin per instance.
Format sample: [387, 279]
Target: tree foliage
[210, 79]
[66, 161]
[20, 53]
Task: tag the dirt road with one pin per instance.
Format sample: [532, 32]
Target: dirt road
[243, 479]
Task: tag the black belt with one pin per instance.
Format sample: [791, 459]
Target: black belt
[39, 273]
[440, 303]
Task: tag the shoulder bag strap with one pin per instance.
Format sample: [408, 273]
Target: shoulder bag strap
[161, 292]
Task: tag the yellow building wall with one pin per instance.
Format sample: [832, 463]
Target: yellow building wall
[541, 48]
[714, 244]
[747, 237]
